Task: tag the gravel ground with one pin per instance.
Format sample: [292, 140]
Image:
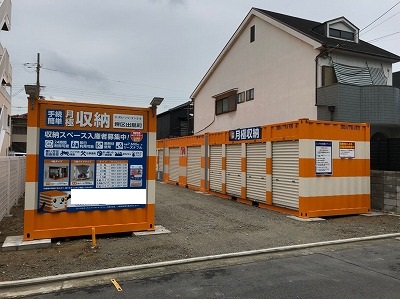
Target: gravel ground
[200, 225]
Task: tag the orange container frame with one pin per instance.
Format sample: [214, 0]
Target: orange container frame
[75, 223]
[183, 143]
[345, 191]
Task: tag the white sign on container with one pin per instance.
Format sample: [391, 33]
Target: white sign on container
[323, 157]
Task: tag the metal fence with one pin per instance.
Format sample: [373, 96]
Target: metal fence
[12, 182]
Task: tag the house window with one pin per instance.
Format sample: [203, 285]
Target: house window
[225, 105]
[241, 97]
[328, 75]
[252, 33]
[341, 34]
[250, 94]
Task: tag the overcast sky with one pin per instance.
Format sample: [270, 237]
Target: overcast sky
[125, 52]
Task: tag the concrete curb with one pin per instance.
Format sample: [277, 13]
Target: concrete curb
[86, 274]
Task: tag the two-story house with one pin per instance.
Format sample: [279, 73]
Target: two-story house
[278, 68]
[6, 82]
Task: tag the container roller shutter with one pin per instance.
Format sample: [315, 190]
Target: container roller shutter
[174, 164]
[194, 166]
[234, 169]
[160, 164]
[285, 174]
[215, 172]
[256, 178]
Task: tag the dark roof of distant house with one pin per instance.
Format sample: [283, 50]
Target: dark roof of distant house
[310, 29]
[176, 108]
[20, 116]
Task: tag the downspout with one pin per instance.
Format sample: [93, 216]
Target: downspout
[325, 50]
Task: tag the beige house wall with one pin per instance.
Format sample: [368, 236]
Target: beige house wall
[280, 68]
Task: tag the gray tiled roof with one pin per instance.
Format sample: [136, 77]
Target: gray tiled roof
[312, 30]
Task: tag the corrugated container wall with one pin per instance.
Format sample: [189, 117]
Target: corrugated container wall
[305, 168]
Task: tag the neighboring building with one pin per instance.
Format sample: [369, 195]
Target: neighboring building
[396, 79]
[175, 122]
[6, 81]
[278, 68]
[19, 133]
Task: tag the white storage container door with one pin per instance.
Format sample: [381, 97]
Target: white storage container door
[215, 172]
[174, 164]
[160, 164]
[194, 166]
[234, 169]
[285, 174]
[256, 178]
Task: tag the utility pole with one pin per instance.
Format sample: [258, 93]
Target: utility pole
[38, 74]
[33, 91]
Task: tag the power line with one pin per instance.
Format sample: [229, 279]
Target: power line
[380, 16]
[113, 80]
[381, 23]
[18, 92]
[379, 38]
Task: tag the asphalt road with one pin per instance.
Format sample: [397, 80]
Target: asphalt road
[368, 270]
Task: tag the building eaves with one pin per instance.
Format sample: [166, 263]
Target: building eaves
[308, 28]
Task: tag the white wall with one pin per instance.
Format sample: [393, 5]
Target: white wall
[280, 68]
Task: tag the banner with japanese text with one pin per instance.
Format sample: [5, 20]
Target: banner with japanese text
[91, 158]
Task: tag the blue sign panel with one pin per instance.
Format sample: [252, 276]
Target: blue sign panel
[245, 134]
[72, 161]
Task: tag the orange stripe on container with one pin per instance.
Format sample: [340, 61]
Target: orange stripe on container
[54, 225]
[151, 167]
[160, 144]
[152, 122]
[32, 168]
[33, 115]
[268, 165]
[243, 192]
[191, 187]
[340, 167]
[195, 140]
[182, 181]
[202, 185]
[166, 160]
[334, 205]
[223, 163]
[202, 162]
[268, 198]
[243, 165]
[245, 201]
[183, 161]
[278, 209]
[225, 196]
[335, 131]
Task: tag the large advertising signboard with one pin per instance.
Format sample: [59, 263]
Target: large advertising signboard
[91, 159]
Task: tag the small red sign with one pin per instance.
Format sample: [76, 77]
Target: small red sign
[136, 136]
[183, 151]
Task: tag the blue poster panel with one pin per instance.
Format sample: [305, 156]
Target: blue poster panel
[91, 160]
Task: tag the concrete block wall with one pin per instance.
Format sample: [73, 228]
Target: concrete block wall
[385, 191]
